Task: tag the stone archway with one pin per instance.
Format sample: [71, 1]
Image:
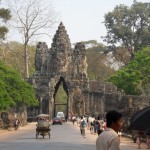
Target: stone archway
[59, 64]
[55, 103]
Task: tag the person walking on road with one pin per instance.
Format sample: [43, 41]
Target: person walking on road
[74, 119]
[148, 141]
[139, 139]
[92, 127]
[83, 125]
[108, 139]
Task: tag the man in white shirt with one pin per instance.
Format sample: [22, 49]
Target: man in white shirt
[108, 139]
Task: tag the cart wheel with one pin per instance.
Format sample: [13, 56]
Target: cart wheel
[42, 134]
[49, 134]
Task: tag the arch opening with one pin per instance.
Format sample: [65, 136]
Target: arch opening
[60, 97]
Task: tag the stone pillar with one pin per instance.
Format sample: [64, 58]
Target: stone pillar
[69, 103]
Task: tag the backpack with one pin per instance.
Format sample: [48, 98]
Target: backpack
[83, 124]
[92, 124]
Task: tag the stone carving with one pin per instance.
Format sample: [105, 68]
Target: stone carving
[41, 56]
[80, 61]
[78, 102]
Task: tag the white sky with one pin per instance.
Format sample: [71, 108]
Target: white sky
[83, 18]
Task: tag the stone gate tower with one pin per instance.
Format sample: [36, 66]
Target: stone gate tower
[60, 63]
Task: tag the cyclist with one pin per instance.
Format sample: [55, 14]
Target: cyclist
[83, 125]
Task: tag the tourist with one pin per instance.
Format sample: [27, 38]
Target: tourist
[73, 119]
[78, 121]
[92, 127]
[83, 125]
[108, 139]
[119, 134]
[98, 130]
[147, 133]
[95, 131]
[104, 125]
[139, 139]
[148, 141]
[134, 135]
[16, 124]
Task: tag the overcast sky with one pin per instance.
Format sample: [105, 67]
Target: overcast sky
[83, 18]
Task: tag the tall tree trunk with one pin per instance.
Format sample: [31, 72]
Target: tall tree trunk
[26, 67]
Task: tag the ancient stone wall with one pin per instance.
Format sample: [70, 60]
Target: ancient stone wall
[62, 63]
[7, 118]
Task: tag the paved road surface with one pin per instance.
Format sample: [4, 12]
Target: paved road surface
[63, 137]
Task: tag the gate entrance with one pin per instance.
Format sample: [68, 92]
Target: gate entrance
[60, 98]
[65, 62]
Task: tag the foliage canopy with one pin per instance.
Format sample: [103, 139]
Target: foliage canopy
[134, 79]
[5, 16]
[14, 91]
[129, 25]
[96, 59]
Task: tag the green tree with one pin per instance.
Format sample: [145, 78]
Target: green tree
[129, 25]
[14, 91]
[96, 59]
[5, 16]
[134, 79]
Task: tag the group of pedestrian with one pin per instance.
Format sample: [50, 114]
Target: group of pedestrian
[109, 133]
[82, 123]
[97, 126]
[109, 139]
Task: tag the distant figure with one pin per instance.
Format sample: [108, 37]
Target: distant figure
[73, 119]
[81, 119]
[134, 135]
[97, 126]
[78, 121]
[148, 141]
[98, 117]
[16, 124]
[147, 132]
[104, 125]
[83, 125]
[92, 127]
[139, 139]
[108, 139]
[119, 134]
[66, 118]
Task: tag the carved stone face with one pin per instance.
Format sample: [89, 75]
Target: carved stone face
[77, 97]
